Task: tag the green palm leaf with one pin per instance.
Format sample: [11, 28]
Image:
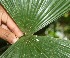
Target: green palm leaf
[38, 47]
[31, 16]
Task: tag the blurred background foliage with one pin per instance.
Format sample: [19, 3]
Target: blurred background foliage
[59, 29]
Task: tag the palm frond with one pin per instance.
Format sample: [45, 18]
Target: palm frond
[38, 47]
[33, 15]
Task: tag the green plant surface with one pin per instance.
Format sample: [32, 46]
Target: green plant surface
[31, 16]
[38, 47]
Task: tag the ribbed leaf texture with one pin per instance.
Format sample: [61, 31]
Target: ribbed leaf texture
[33, 15]
[38, 47]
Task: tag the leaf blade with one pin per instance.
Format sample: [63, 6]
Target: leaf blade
[33, 15]
[38, 47]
